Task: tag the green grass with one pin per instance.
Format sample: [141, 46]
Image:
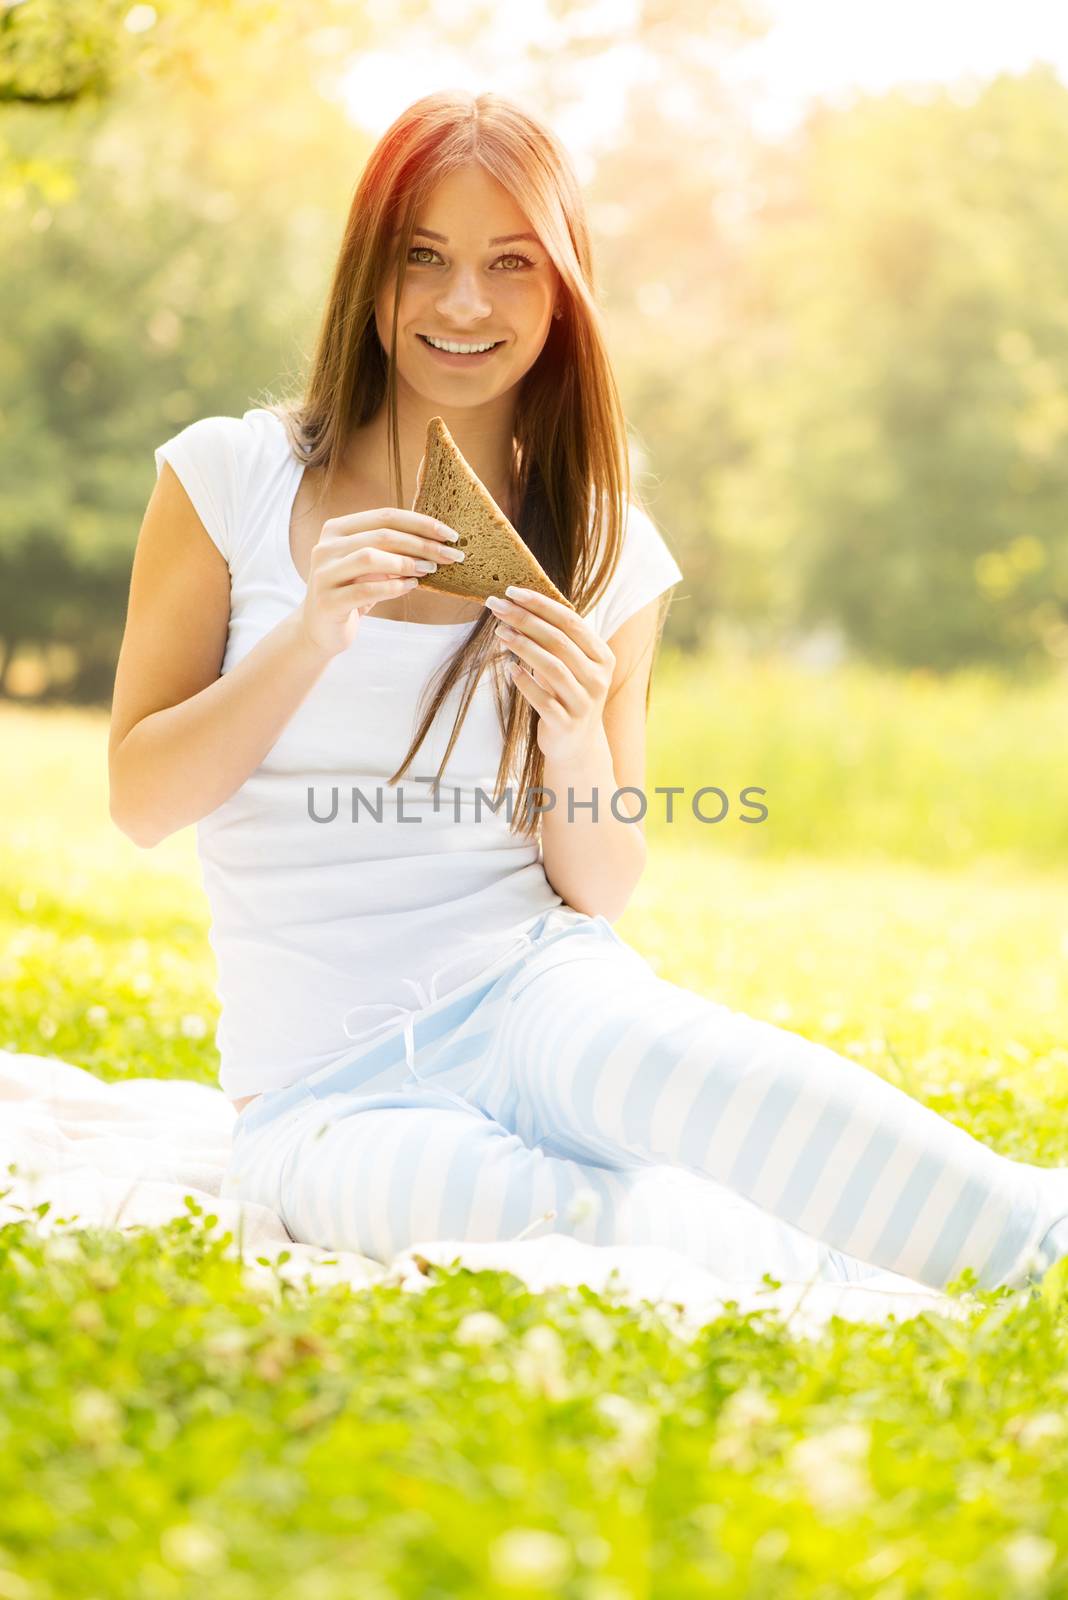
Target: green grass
[170, 1430]
[174, 1424]
[856, 762]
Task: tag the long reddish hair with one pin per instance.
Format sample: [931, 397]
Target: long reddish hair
[572, 466]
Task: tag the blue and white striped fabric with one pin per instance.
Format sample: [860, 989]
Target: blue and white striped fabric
[570, 1080]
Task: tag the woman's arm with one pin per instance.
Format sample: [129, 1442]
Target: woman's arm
[596, 866]
[183, 738]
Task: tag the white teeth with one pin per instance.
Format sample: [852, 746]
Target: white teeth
[457, 349]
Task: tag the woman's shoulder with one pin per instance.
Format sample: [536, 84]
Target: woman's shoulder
[222, 434]
[263, 423]
[645, 569]
[217, 449]
[217, 458]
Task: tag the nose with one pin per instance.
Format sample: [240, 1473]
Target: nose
[463, 300]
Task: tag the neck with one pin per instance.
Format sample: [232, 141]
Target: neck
[483, 434]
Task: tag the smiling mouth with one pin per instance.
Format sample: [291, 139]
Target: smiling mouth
[494, 346]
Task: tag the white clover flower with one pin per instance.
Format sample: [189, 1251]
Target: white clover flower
[193, 1026]
[227, 1345]
[530, 1558]
[748, 1407]
[87, 1317]
[97, 1016]
[744, 1416]
[833, 1467]
[94, 1415]
[1040, 1428]
[480, 1328]
[64, 1247]
[539, 1364]
[772, 1546]
[141, 982]
[636, 1427]
[623, 1413]
[192, 1545]
[543, 1339]
[1028, 1557]
[597, 1328]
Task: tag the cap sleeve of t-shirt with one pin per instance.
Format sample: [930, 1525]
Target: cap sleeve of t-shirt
[646, 568]
[212, 459]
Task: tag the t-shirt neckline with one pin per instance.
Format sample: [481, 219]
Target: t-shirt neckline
[293, 577]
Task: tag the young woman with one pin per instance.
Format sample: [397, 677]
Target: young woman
[429, 1027]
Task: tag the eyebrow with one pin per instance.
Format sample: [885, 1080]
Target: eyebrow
[502, 238]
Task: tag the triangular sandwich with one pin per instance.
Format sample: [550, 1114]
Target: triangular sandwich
[495, 555]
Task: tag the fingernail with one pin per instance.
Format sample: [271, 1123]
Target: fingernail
[450, 533]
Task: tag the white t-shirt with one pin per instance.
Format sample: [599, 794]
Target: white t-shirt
[311, 918]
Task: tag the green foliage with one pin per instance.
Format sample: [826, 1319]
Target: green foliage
[945, 770]
[59, 50]
[170, 1421]
[54, 52]
[899, 379]
[159, 277]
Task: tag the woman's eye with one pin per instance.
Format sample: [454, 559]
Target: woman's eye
[424, 249]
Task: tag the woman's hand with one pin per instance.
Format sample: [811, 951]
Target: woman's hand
[365, 558]
[564, 669]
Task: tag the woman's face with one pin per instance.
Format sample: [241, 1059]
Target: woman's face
[462, 288]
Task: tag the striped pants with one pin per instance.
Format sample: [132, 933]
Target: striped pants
[574, 1084]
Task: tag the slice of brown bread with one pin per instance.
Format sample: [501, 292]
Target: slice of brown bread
[495, 555]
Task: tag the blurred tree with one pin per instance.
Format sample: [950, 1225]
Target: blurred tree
[70, 57]
[898, 366]
[178, 274]
[60, 50]
[660, 207]
[54, 51]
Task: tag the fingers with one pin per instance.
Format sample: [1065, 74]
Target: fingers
[379, 541]
[372, 561]
[363, 593]
[390, 522]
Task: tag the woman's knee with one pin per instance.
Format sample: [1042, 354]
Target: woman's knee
[385, 1180]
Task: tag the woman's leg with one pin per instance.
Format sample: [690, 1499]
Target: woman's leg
[376, 1174]
[603, 1061]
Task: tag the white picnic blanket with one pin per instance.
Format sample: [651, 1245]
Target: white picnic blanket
[127, 1154]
